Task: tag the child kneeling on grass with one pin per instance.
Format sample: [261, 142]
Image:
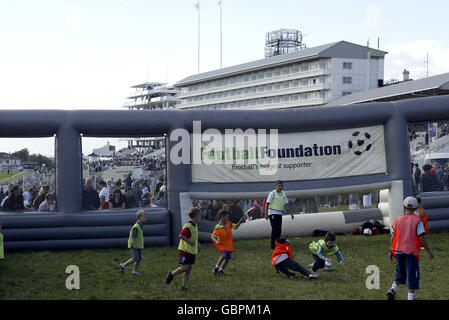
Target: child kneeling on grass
[322, 250]
[188, 248]
[135, 243]
[223, 240]
[282, 260]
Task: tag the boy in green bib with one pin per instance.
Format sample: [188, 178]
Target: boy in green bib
[135, 243]
[2, 254]
[322, 250]
[188, 248]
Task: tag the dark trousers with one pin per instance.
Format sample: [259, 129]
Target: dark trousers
[287, 264]
[276, 228]
[318, 264]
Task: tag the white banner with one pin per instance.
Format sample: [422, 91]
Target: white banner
[295, 156]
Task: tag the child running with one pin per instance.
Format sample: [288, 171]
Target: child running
[223, 240]
[188, 248]
[282, 260]
[408, 234]
[135, 243]
[322, 250]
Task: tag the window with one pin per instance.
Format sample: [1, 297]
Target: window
[322, 94]
[286, 85]
[260, 88]
[269, 74]
[253, 76]
[304, 95]
[253, 102]
[246, 77]
[286, 70]
[268, 100]
[346, 93]
[314, 81]
[295, 97]
[322, 79]
[295, 68]
[268, 87]
[260, 75]
[347, 80]
[276, 99]
[304, 67]
[295, 83]
[277, 72]
[347, 65]
[277, 85]
[253, 90]
[322, 65]
[231, 81]
[286, 98]
[305, 82]
[260, 101]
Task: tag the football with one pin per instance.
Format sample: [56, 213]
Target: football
[359, 142]
[328, 265]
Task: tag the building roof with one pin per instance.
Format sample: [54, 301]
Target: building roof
[440, 83]
[149, 84]
[340, 49]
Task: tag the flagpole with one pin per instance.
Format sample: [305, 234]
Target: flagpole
[198, 8]
[221, 35]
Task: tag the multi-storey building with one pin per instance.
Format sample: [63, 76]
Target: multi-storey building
[308, 77]
[151, 96]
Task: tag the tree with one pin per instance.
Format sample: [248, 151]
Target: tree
[23, 155]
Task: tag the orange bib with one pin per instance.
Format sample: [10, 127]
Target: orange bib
[224, 235]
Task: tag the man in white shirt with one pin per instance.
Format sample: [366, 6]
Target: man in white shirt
[104, 190]
[276, 201]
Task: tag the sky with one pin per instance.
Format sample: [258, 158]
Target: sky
[85, 54]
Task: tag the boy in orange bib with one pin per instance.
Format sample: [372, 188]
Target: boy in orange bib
[223, 240]
[408, 234]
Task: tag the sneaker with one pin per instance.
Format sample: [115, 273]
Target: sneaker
[313, 275]
[391, 294]
[293, 276]
[221, 272]
[169, 277]
[136, 272]
[122, 269]
[215, 271]
[184, 288]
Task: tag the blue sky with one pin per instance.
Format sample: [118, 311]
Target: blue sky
[73, 54]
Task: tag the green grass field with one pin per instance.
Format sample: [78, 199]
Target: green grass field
[5, 175]
[249, 276]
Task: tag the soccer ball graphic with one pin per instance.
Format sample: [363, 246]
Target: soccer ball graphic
[359, 142]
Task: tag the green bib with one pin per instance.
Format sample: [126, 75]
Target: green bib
[278, 201]
[326, 251]
[139, 240]
[184, 246]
